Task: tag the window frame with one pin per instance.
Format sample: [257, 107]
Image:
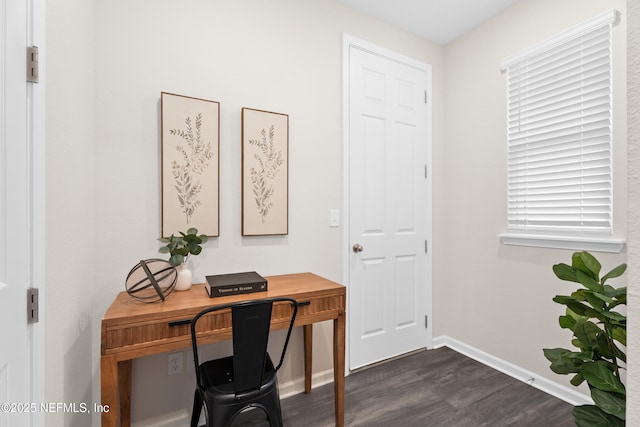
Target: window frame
[569, 237]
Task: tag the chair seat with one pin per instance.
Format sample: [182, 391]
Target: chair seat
[218, 374]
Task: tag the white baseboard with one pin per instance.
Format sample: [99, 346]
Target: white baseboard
[560, 391]
[296, 386]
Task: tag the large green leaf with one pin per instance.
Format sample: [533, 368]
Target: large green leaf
[613, 315]
[622, 300]
[610, 403]
[613, 351]
[562, 361]
[577, 379]
[576, 306]
[565, 272]
[176, 260]
[589, 282]
[606, 347]
[563, 299]
[190, 238]
[616, 272]
[592, 416]
[587, 333]
[594, 297]
[579, 295]
[619, 334]
[620, 354]
[593, 300]
[567, 322]
[587, 263]
[599, 375]
[619, 292]
[616, 293]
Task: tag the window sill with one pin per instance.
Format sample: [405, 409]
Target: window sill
[593, 244]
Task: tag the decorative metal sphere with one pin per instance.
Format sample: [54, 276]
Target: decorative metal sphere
[151, 280]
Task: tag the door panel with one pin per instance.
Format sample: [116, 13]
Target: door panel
[15, 215]
[387, 207]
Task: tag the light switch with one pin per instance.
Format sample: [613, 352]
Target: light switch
[334, 218]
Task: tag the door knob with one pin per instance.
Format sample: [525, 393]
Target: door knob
[357, 248]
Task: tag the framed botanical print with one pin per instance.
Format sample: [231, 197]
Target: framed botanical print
[265, 173]
[190, 164]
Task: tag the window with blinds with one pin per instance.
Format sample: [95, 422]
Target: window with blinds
[559, 133]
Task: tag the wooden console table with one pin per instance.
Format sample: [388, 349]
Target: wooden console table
[131, 329]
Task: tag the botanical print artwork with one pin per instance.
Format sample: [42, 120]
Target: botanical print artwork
[262, 177]
[190, 164]
[195, 160]
[265, 139]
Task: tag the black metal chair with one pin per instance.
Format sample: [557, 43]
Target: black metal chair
[229, 385]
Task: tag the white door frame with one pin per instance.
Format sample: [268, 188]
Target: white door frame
[349, 41]
[37, 111]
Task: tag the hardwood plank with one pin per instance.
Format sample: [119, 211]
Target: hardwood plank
[429, 388]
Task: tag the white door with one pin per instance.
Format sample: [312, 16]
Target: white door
[389, 207]
[17, 217]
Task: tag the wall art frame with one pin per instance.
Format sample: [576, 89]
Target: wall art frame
[265, 173]
[190, 140]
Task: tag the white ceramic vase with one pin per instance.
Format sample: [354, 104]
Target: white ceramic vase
[183, 281]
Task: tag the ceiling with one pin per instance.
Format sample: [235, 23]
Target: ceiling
[440, 21]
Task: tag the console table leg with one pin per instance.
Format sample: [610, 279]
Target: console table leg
[109, 391]
[339, 367]
[124, 391]
[308, 350]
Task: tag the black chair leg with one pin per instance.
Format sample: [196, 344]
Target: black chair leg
[197, 408]
[275, 419]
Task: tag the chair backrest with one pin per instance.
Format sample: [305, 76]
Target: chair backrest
[250, 329]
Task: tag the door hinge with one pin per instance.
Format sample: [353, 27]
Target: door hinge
[425, 96]
[425, 171]
[426, 321]
[426, 246]
[32, 64]
[32, 305]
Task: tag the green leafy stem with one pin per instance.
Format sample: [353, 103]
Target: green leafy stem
[599, 334]
[180, 247]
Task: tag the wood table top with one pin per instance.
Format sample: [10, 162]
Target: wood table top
[126, 309]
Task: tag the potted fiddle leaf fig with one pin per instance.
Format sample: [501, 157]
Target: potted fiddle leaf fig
[600, 335]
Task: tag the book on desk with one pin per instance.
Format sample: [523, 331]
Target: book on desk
[220, 285]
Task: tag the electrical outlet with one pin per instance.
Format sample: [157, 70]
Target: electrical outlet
[176, 363]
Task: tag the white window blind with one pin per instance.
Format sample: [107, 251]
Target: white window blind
[559, 131]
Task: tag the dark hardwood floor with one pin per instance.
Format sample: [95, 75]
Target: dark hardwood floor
[430, 388]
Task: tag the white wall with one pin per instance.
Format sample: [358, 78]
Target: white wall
[69, 208]
[494, 297]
